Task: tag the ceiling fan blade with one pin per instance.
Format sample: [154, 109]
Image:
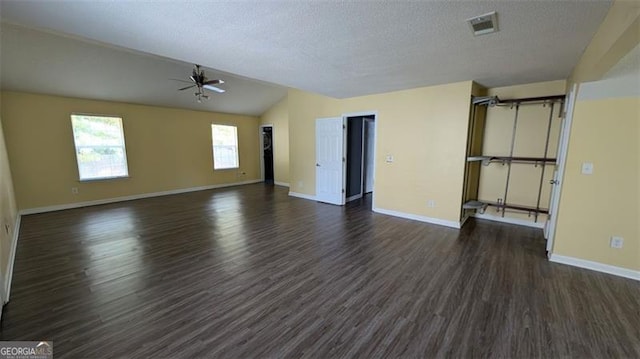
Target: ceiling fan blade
[213, 82]
[188, 82]
[188, 87]
[213, 88]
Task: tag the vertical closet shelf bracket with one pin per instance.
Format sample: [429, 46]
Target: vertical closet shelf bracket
[513, 142]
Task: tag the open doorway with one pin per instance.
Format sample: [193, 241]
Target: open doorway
[360, 156]
[267, 153]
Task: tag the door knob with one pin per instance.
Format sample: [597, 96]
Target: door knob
[554, 182]
[317, 165]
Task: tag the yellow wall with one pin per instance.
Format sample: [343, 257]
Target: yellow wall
[424, 129]
[474, 148]
[616, 36]
[595, 207]
[8, 209]
[304, 108]
[278, 116]
[536, 89]
[529, 142]
[167, 149]
[605, 131]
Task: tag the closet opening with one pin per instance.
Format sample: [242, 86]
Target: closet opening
[266, 162]
[513, 158]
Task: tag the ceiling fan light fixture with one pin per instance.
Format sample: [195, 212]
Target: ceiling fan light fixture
[201, 83]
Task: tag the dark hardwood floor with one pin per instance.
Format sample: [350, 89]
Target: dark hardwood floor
[248, 272]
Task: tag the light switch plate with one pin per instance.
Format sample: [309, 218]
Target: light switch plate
[616, 242]
[587, 168]
[389, 159]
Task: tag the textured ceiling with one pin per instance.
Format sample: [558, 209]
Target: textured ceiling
[340, 49]
[35, 61]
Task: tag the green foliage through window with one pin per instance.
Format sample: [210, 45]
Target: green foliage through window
[225, 147]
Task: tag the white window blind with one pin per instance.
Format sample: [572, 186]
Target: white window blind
[225, 147]
[100, 148]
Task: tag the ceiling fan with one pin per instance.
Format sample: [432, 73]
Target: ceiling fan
[200, 82]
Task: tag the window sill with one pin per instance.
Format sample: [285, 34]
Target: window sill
[104, 179]
[226, 169]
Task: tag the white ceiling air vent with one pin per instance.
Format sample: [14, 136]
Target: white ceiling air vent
[484, 24]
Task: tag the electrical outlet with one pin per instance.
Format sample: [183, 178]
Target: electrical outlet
[587, 168]
[74, 190]
[389, 158]
[431, 203]
[616, 242]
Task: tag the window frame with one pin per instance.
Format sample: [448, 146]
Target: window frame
[123, 146]
[237, 147]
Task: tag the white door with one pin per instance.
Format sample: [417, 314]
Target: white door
[550, 226]
[330, 160]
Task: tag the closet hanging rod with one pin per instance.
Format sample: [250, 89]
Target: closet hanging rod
[509, 104]
[495, 101]
[535, 99]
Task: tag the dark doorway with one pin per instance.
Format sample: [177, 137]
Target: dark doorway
[360, 148]
[354, 158]
[267, 153]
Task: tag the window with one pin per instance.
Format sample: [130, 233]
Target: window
[100, 147]
[225, 147]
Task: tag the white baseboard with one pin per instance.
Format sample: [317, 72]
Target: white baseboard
[415, 217]
[132, 197]
[12, 259]
[302, 195]
[598, 267]
[283, 184]
[520, 222]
